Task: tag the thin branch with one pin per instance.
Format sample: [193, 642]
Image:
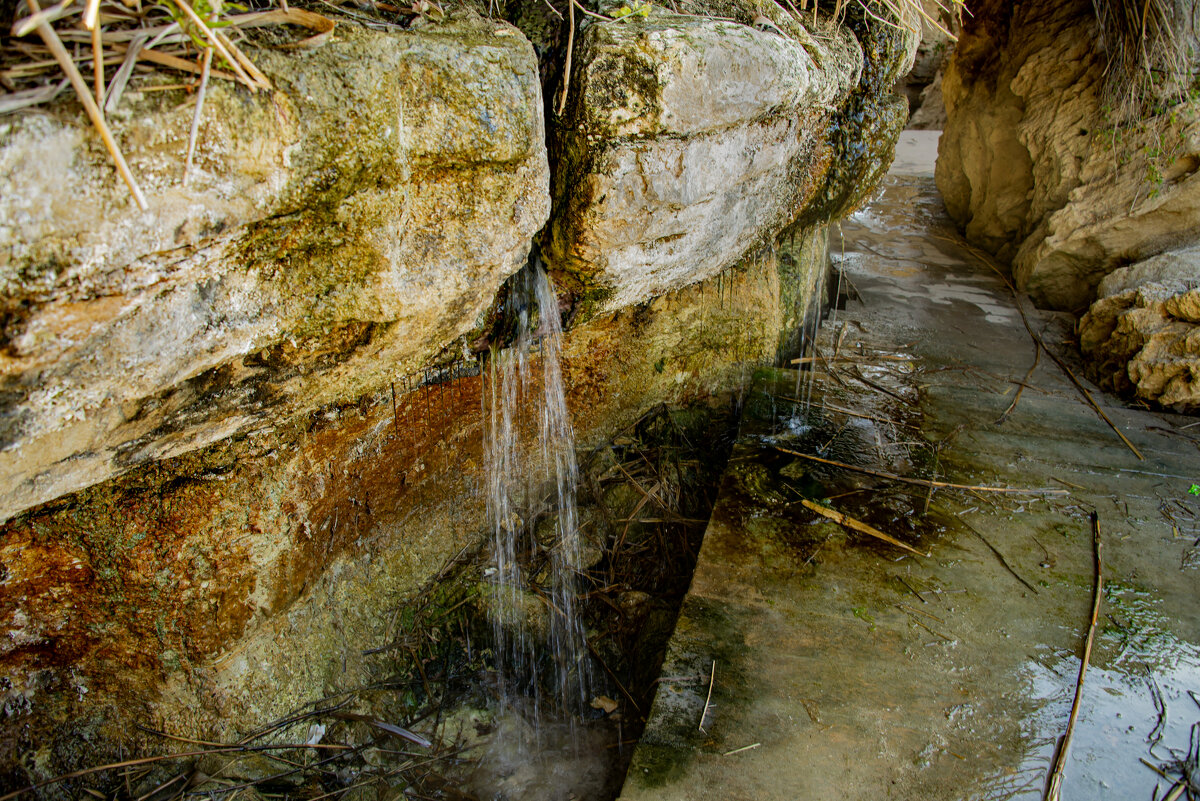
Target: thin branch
[1037, 357]
[984, 257]
[191, 148]
[920, 482]
[1054, 786]
[998, 555]
[857, 525]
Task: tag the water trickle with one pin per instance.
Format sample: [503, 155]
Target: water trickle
[810, 327]
[532, 476]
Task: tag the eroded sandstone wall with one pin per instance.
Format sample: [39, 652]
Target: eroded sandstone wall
[1039, 169]
[1047, 165]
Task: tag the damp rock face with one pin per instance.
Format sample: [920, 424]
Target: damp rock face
[1034, 166]
[212, 496]
[686, 144]
[336, 231]
[1142, 336]
[231, 585]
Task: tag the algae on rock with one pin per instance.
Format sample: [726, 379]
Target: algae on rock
[337, 231]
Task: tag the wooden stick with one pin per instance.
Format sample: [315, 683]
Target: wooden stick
[865, 358]
[857, 525]
[195, 130]
[711, 678]
[920, 482]
[562, 100]
[1054, 786]
[89, 103]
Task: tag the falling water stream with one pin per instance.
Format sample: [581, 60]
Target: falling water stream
[531, 478]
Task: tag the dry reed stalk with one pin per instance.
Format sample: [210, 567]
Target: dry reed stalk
[195, 130]
[921, 482]
[712, 676]
[562, 100]
[175, 62]
[218, 42]
[91, 20]
[46, 32]
[849, 522]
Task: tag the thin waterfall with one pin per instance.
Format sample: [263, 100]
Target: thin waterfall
[527, 480]
[810, 327]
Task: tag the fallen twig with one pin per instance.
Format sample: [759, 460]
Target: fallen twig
[628, 696]
[856, 374]
[1054, 786]
[162, 758]
[711, 679]
[1037, 357]
[986, 259]
[914, 619]
[999, 556]
[912, 589]
[857, 525]
[920, 482]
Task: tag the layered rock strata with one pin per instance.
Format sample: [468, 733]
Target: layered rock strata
[1037, 167]
[337, 230]
[218, 481]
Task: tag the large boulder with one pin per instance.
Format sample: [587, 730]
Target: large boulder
[688, 143]
[1037, 168]
[337, 230]
[1142, 335]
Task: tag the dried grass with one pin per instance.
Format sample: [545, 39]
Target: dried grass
[171, 34]
[1153, 54]
[201, 39]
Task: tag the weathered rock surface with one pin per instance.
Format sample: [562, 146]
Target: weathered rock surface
[1032, 168]
[347, 225]
[688, 143]
[228, 495]
[233, 584]
[922, 84]
[1142, 336]
[930, 114]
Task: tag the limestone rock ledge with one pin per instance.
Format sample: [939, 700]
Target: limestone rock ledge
[1033, 167]
[686, 144]
[256, 499]
[336, 231]
[1142, 336]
